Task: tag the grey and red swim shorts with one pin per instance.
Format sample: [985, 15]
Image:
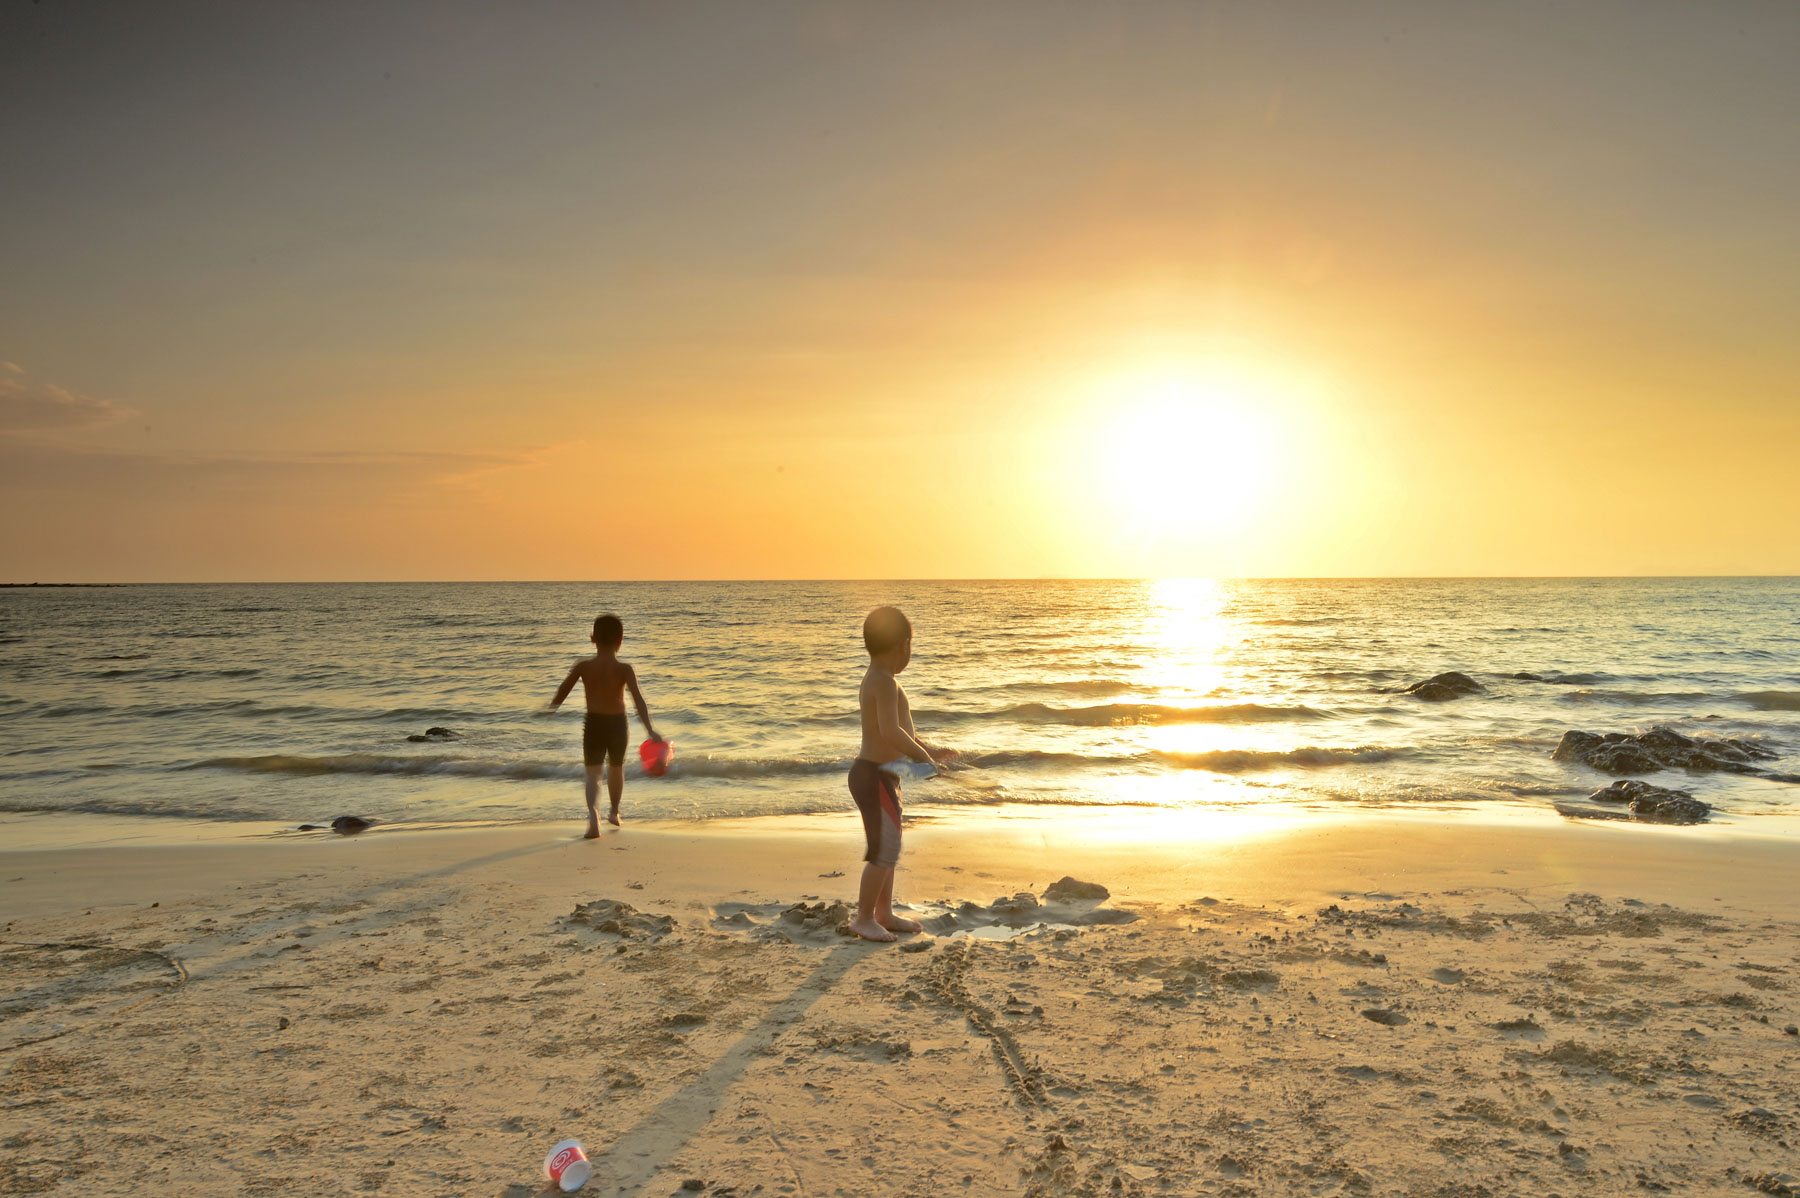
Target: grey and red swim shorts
[877, 796]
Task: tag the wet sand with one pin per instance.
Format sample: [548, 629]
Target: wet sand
[1407, 1006]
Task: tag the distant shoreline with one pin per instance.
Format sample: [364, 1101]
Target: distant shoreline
[28, 585]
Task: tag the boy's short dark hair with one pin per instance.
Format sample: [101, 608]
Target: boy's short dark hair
[608, 630]
[884, 629]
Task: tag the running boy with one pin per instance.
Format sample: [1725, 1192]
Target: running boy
[887, 736]
[605, 678]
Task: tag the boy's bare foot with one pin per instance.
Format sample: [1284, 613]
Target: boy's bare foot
[593, 832]
[612, 817]
[894, 923]
[868, 929]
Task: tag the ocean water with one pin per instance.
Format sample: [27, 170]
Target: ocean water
[294, 703]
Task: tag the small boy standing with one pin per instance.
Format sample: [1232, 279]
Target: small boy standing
[887, 736]
[605, 679]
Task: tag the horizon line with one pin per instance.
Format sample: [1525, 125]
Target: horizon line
[895, 579]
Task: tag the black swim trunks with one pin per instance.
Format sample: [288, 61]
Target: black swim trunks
[603, 738]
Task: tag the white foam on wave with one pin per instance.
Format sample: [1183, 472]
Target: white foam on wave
[1236, 761]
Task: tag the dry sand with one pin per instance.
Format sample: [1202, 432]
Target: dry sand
[1391, 1006]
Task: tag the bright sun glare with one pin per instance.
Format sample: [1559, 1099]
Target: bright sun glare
[1185, 450]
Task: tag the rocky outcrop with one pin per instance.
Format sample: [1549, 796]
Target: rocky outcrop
[1660, 749]
[343, 825]
[1444, 687]
[1066, 888]
[431, 735]
[1657, 804]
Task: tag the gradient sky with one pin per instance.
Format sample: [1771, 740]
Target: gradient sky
[773, 290]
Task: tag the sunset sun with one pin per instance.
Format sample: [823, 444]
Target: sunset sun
[1185, 450]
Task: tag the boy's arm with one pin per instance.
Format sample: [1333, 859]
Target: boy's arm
[568, 684]
[932, 752]
[894, 730]
[643, 710]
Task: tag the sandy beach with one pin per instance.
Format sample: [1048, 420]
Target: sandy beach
[1407, 1006]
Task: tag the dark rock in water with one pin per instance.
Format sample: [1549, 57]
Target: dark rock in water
[1445, 686]
[1696, 753]
[1066, 888]
[433, 734]
[1624, 757]
[1658, 804]
[1660, 749]
[343, 825]
[1560, 679]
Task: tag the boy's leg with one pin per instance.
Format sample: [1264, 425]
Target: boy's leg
[591, 783]
[878, 802]
[884, 910]
[615, 787]
[877, 881]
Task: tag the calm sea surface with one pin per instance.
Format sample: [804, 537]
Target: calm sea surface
[295, 702]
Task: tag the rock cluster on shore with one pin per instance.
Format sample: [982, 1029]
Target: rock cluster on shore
[1658, 804]
[1660, 749]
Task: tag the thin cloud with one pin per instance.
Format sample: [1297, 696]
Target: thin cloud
[30, 408]
[41, 462]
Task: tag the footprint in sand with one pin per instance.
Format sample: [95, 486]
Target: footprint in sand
[52, 989]
[1448, 976]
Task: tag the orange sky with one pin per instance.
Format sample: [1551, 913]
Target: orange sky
[809, 290]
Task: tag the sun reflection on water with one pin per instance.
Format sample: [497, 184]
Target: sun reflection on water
[1189, 637]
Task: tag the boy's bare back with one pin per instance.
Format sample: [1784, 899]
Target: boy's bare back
[603, 680]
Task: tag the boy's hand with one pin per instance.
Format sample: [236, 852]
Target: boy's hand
[657, 737]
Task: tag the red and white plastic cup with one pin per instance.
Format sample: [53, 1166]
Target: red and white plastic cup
[567, 1166]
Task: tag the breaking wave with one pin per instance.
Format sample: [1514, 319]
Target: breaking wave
[1241, 761]
[511, 771]
[1772, 700]
[1635, 698]
[1118, 715]
[424, 766]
